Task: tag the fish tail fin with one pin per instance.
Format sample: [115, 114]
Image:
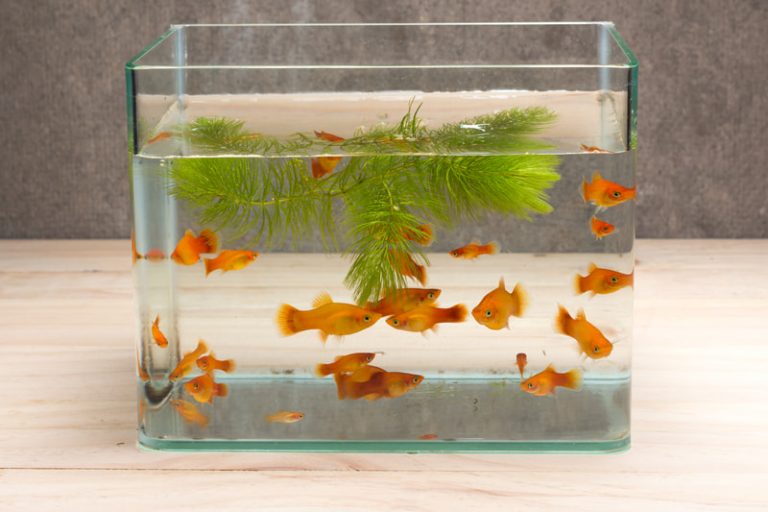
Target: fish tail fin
[421, 274]
[457, 313]
[202, 348]
[286, 320]
[578, 284]
[428, 234]
[228, 365]
[321, 370]
[572, 379]
[584, 190]
[210, 240]
[631, 279]
[222, 390]
[562, 319]
[317, 169]
[492, 247]
[520, 299]
[210, 266]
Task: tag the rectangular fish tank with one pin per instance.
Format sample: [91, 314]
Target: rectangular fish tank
[384, 237]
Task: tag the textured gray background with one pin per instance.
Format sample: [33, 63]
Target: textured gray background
[703, 117]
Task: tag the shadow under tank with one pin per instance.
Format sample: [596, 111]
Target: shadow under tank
[392, 237]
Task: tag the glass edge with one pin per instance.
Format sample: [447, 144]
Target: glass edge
[133, 62]
[623, 45]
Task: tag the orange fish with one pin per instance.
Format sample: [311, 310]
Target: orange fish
[209, 363]
[422, 235]
[327, 316]
[402, 300]
[329, 137]
[143, 375]
[285, 417]
[154, 254]
[203, 388]
[473, 250]
[157, 334]
[409, 268]
[522, 361]
[134, 253]
[187, 363]
[546, 382]
[324, 165]
[428, 437]
[345, 364]
[498, 305]
[592, 342]
[604, 193]
[602, 280]
[600, 228]
[189, 412]
[230, 260]
[592, 149]
[427, 317]
[381, 384]
[160, 136]
[190, 247]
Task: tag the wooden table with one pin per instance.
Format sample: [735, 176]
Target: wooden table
[68, 415]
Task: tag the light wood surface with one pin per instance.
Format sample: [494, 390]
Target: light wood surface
[700, 405]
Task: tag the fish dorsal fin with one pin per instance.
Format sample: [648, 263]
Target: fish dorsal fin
[581, 315]
[322, 299]
[592, 267]
[596, 177]
[502, 286]
[550, 368]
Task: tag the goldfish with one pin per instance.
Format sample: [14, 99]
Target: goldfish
[381, 384]
[592, 342]
[592, 149]
[422, 235]
[327, 316]
[187, 362]
[329, 137]
[428, 437]
[522, 361]
[546, 382]
[409, 268]
[230, 260]
[209, 363]
[143, 375]
[285, 417]
[160, 136]
[154, 254]
[157, 334]
[427, 317]
[324, 165]
[203, 388]
[189, 412]
[600, 228]
[402, 300]
[345, 364]
[604, 193]
[474, 249]
[190, 247]
[602, 280]
[498, 305]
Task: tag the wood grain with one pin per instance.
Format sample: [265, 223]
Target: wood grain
[700, 413]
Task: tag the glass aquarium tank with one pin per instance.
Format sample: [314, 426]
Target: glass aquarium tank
[384, 237]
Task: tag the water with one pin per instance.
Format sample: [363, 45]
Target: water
[471, 397]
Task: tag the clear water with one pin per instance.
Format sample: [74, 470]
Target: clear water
[470, 398]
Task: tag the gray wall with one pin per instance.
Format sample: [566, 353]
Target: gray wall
[703, 116]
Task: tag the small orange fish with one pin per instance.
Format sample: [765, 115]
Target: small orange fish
[546, 382]
[187, 363]
[362, 374]
[381, 384]
[522, 361]
[203, 388]
[134, 253]
[209, 363]
[157, 334]
[602, 280]
[327, 316]
[422, 235]
[428, 437]
[345, 364]
[160, 136]
[473, 250]
[189, 412]
[498, 305]
[154, 254]
[592, 149]
[329, 137]
[324, 165]
[592, 342]
[143, 375]
[409, 268]
[402, 300]
[285, 417]
[230, 260]
[190, 247]
[604, 193]
[600, 228]
[427, 317]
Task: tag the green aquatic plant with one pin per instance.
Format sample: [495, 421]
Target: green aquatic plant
[395, 180]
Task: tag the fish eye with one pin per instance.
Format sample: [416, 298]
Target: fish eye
[416, 380]
[595, 349]
[395, 321]
[605, 228]
[369, 358]
[614, 279]
[616, 193]
[367, 318]
[488, 313]
[530, 385]
[430, 295]
[196, 386]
